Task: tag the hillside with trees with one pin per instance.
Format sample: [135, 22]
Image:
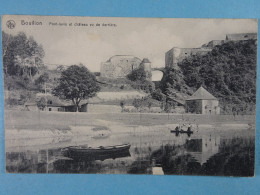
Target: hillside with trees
[228, 72]
[22, 65]
[141, 80]
[25, 74]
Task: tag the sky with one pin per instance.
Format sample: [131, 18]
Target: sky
[141, 37]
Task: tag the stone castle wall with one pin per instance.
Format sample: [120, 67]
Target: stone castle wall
[241, 36]
[176, 55]
[120, 66]
[214, 43]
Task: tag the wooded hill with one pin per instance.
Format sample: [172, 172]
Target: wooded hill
[228, 72]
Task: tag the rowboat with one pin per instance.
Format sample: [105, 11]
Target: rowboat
[178, 130]
[89, 153]
[181, 131]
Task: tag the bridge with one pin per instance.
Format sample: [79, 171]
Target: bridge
[162, 69]
[157, 76]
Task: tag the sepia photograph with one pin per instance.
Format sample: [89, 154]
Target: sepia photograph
[114, 95]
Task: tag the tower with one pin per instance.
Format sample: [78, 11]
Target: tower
[146, 65]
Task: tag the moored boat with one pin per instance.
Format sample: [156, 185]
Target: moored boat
[83, 152]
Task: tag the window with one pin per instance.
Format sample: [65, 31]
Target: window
[49, 109]
[50, 102]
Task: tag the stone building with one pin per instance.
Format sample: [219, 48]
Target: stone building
[119, 66]
[202, 102]
[213, 43]
[146, 65]
[176, 55]
[241, 36]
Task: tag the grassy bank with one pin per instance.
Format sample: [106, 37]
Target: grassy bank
[63, 120]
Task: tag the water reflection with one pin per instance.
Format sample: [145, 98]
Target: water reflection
[208, 156]
[149, 154]
[177, 133]
[202, 149]
[99, 165]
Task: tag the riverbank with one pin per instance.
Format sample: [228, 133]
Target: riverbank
[37, 120]
[23, 139]
[56, 129]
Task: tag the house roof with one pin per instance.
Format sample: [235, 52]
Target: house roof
[30, 103]
[176, 100]
[202, 94]
[145, 60]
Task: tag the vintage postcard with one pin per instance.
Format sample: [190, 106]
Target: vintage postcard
[103, 95]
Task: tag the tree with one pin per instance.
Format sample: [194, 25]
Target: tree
[41, 103]
[60, 68]
[22, 56]
[122, 104]
[42, 79]
[234, 111]
[137, 103]
[141, 80]
[228, 70]
[7, 57]
[169, 105]
[146, 86]
[158, 95]
[137, 75]
[76, 83]
[149, 104]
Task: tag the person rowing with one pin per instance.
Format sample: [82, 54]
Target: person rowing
[177, 128]
[189, 128]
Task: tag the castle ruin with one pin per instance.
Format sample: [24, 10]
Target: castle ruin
[176, 55]
[119, 66]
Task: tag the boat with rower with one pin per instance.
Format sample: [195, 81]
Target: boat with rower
[179, 130]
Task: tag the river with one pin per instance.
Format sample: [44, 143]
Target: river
[209, 152]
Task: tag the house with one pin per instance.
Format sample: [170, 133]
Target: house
[202, 102]
[53, 104]
[64, 106]
[31, 106]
